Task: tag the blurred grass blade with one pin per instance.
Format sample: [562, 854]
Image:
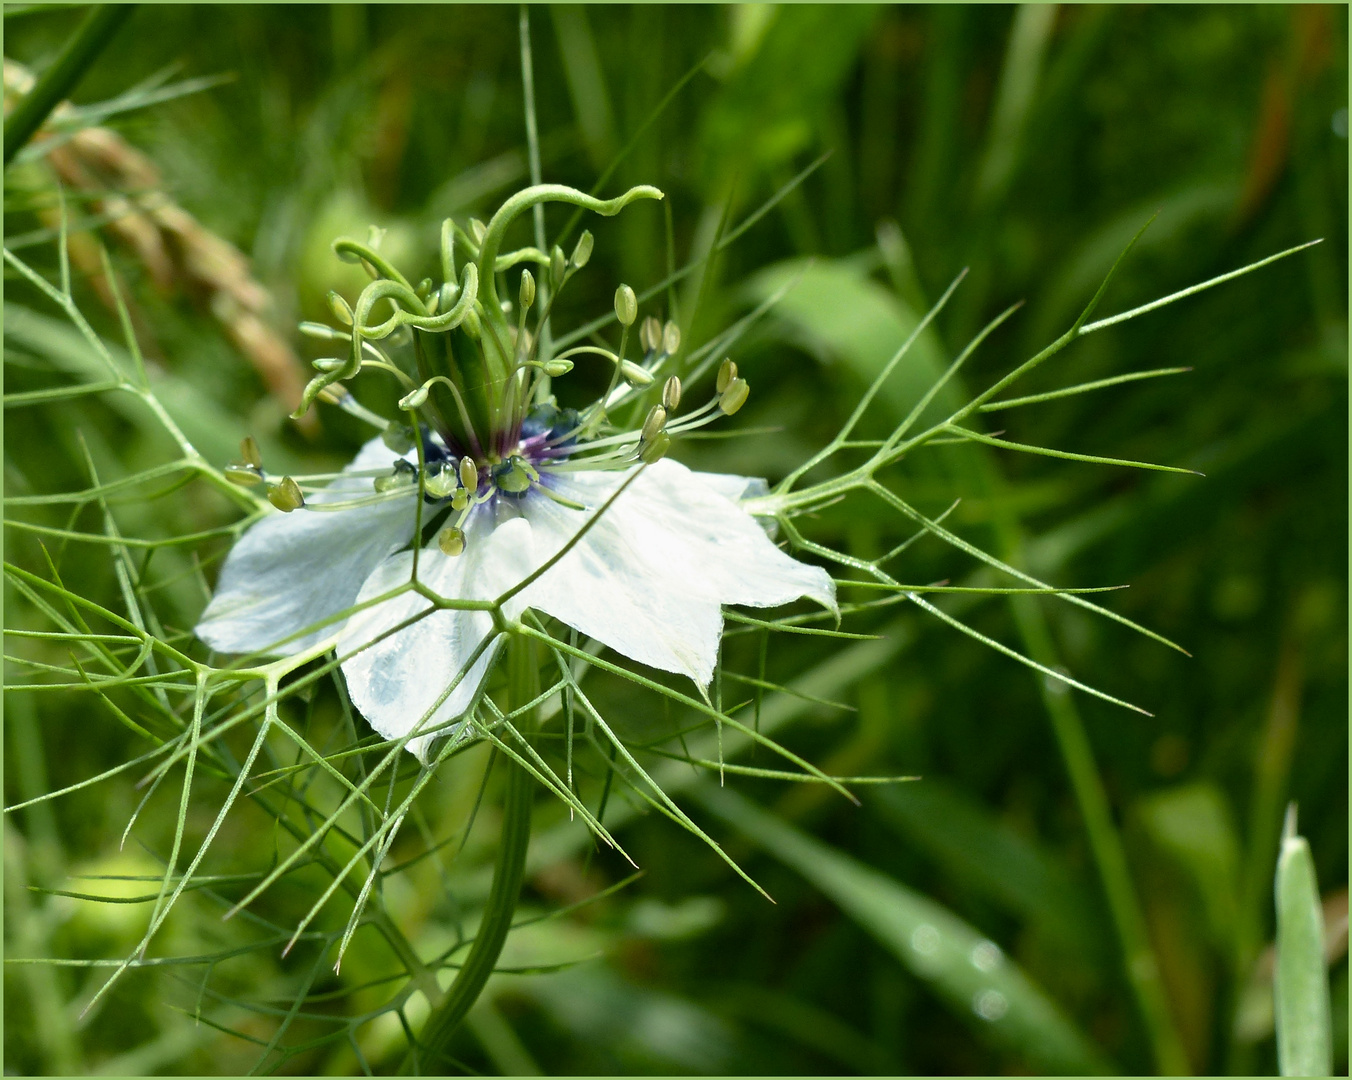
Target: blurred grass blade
[1301, 985]
[61, 78]
[964, 968]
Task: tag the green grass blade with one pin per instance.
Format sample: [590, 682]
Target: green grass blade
[1301, 986]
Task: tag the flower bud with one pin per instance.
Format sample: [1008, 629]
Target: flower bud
[655, 450]
[626, 305]
[652, 426]
[634, 375]
[727, 371]
[451, 541]
[671, 394]
[398, 437]
[286, 496]
[582, 252]
[342, 311]
[478, 230]
[248, 450]
[555, 368]
[469, 474]
[242, 474]
[414, 399]
[671, 338]
[440, 482]
[734, 397]
[527, 294]
[558, 266]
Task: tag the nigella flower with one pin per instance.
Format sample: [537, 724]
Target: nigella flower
[645, 552]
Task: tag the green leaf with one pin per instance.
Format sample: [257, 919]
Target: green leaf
[1301, 984]
[963, 967]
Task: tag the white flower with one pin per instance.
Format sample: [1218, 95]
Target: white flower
[648, 579]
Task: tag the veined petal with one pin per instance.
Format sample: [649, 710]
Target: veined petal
[290, 571]
[400, 681]
[650, 577]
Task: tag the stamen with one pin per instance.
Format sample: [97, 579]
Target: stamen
[582, 252]
[441, 481]
[342, 310]
[469, 474]
[403, 474]
[650, 334]
[734, 397]
[655, 450]
[286, 496]
[671, 393]
[634, 375]
[655, 422]
[527, 294]
[626, 305]
[248, 450]
[727, 371]
[671, 339]
[451, 541]
[242, 474]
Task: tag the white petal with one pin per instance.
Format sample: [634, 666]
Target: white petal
[399, 679]
[290, 571]
[650, 577]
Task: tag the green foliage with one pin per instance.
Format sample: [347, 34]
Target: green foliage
[1121, 863]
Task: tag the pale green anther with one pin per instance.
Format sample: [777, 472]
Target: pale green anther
[727, 371]
[441, 483]
[471, 325]
[734, 397]
[375, 236]
[655, 422]
[626, 305]
[460, 499]
[671, 394]
[555, 368]
[327, 364]
[634, 375]
[242, 474]
[582, 252]
[397, 479]
[527, 295]
[342, 311]
[451, 541]
[478, 230]
[424, 288]
[286, 496]
[398, 437]
[558, 265]
[322, 331]
[671, 338]
[248, 450]
[516, 479]
[434, 302]
[414, 399]
[469, 474]
[650, 334]
[448, 294]
[655, 450]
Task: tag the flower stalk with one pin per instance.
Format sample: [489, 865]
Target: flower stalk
[523, 681]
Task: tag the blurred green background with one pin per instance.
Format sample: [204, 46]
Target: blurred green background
[1028, 144]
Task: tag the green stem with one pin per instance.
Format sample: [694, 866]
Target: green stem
[60, 79]
[523, 676]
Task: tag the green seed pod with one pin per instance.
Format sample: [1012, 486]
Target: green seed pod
[242, 474]
[451, 541]
[469, 474]
[414, 399]
[734, 397]
[527, 294]
[671, 394]
[655, 450]
[634, 375]
[248, 450]
[286, 496]
[582, 252]
[440, 482]
[398, 437]
[340, 308]
[727, 371]
[626, 305]
[655, 422]
[555, 368]
[558, 266]
[671, 338]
